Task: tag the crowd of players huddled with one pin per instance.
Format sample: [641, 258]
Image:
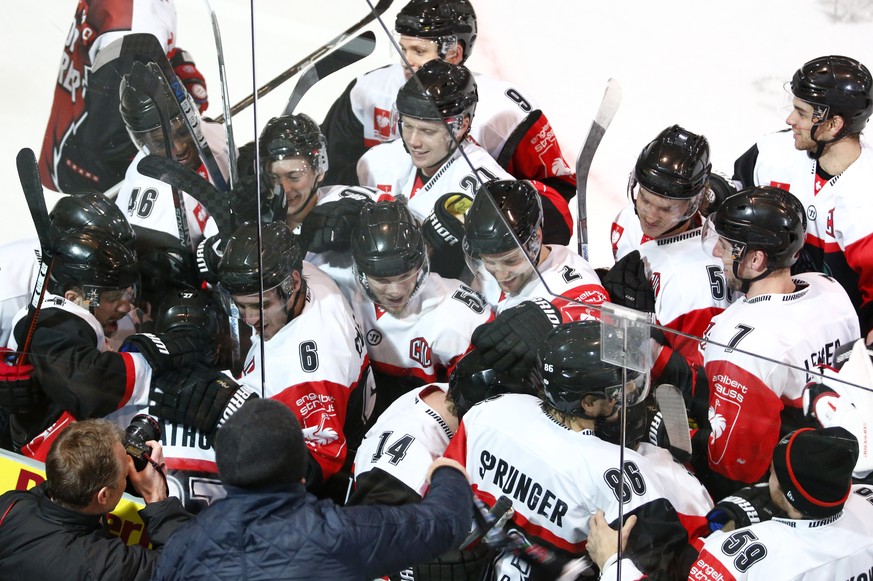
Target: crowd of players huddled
[398, 276]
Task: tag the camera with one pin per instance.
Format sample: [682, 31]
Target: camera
[142, 428]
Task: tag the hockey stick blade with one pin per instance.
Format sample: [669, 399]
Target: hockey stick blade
[675, 418]
[354, 50]
[187, 180]
[380, 9]
[608, 108]
[28, 175]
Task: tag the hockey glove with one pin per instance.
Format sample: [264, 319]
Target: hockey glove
[188, 74]
[329, 226]
[658, 437]
[828, 408]
[628, 285]
[18, 392]
[199, 397]
[510, 341]
[443, 230]
[179, 349]
[744, 507]
[209, 253]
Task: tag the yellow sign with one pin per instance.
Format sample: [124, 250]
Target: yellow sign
[21, 473]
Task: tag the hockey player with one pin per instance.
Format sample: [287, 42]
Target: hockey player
[313, 349]
[529, 301]
[827, 526]
[19, 260]
[404, 309]
[436, 155]
[508, 124]
[756, 351]
[822, 160]
[85, 148]
[92, 285]
[391, 463]
[293, 162]
[552, 506]
[662, 267]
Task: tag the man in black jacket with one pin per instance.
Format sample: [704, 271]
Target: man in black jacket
[269, 528]
[57, 530]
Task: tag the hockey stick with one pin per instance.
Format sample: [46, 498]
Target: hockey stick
[608, 107]
[225, 95]
[146, 48]
[672, 406]
[380, 9]
[28, 175]
[354, 50]
[148, 79]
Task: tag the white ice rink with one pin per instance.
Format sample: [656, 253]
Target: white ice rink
[715, 68]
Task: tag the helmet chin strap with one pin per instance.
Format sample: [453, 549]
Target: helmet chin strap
[820, 145]
[305, 203]
[301, 292]
[747, 282]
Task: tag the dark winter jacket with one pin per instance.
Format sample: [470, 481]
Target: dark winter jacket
[43, 541]
[283, 533]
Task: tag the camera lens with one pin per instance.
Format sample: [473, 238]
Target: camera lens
[143, 428]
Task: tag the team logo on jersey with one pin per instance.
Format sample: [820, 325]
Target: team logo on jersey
[723, 417]
[811, 213]
[374, 337]
[419, 351]
[656, 282]
[382, 123]
[617, 231]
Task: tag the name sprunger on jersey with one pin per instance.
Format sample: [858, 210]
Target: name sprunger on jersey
[729, 387]
[522, 487]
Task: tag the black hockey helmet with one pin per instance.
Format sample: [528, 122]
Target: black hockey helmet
[571, 368]
[674, 165]
[472, 381]
[188, 310]
[445, 22]
[87, 212]
[292, 136]
[438, 90]
[387, 241]
[238, 270]
[93, 262]
[836, 85]
[139, 112]
[762, 218]
[519, 204]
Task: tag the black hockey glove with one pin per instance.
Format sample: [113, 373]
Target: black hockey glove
[628, 284]
[19, 393]
[510, 341]
[179, 349]
[744, 507]
[209, 253]
[329, 226]
[658, 437]
[443, 230]
[198, 397]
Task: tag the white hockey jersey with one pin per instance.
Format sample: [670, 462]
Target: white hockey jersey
[389, 168]
[690, 289]
[148, 203]
[838, 547]
[748, 350]
[314, 363]
[405, 440]
[427, 339]
[566, 277]
[626, 235]
[556, 478]
[19, 266]
[839, 231]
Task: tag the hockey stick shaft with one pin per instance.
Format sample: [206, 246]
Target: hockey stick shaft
[225, 95]
[28, 175]
[605, 113]
[354, 50]
[380, 9]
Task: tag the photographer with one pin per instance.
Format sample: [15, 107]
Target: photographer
[57, 530]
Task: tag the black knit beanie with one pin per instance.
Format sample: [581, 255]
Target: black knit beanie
[814, 469]
[261, 445]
